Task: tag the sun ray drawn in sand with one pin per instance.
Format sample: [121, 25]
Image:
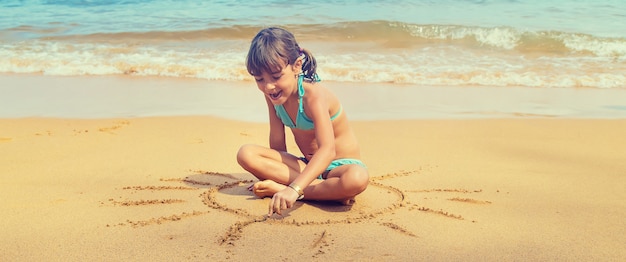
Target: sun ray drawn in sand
[219, 191]
[111, 129]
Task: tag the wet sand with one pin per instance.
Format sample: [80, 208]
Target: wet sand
[124, 96]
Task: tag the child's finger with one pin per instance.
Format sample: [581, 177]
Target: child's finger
[283, 204]
[270, 211]
[275, 206]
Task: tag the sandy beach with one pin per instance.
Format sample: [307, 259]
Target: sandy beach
[169, 188]
[492, 130]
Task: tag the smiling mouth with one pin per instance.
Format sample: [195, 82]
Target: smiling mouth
[276, 95]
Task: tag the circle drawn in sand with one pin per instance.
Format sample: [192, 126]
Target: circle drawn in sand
[234, 197]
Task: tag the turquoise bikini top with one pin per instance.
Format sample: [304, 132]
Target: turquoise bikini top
[302, 121]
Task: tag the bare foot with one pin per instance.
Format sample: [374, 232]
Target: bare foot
[266, 188]
[348, 202]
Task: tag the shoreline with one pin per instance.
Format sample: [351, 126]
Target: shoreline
[126, 96]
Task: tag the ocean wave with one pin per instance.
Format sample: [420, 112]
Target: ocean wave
[392, 34]
[375, 51]
[509, 38]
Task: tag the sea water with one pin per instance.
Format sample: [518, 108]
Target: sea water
[535, 43]
[528, 46]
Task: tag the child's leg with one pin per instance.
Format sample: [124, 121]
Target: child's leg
[269, 164]
[343, 183]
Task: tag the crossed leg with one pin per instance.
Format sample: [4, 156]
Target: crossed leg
[277, 169]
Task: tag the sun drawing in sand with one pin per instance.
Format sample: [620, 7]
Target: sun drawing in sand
[215, 190]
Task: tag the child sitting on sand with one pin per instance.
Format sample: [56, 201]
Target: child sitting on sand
[330, 168]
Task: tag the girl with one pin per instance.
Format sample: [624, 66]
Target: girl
[330, 168]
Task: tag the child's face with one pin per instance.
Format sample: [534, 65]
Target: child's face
[280, 85]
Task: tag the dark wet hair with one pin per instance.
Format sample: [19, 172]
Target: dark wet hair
[274, 48]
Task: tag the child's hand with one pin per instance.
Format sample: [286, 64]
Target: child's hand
[283, 199]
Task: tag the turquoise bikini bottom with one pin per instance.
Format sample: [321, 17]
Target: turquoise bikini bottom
[336, 163]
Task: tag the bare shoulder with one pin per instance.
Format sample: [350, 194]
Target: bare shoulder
[318, 98]
[314, 87]
[316, 91]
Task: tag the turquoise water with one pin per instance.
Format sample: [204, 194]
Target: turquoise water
[599, 18]
[567, 44]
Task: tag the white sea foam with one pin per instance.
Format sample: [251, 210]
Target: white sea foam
[598, 46]
[431, 65]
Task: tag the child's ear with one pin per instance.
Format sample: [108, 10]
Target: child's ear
[297, 65]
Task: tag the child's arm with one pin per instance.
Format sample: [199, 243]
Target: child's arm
[277, 129]
[317, 107]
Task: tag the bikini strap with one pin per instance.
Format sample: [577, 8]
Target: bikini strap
[300, 93]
